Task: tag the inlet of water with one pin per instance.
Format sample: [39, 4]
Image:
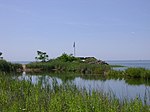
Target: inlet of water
[120, 88]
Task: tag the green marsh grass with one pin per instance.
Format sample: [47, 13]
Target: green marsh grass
[22, 96]
[138, 73]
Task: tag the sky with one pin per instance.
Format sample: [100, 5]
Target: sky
[105, 29]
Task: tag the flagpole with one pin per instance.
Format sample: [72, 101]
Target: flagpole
[74, 46]
[74, 51]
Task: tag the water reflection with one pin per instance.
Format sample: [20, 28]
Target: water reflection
[44, 79]
[120, 68]
[120, 88]
[117, 87]
[131, 63]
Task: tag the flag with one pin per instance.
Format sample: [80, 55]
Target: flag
[74, 45]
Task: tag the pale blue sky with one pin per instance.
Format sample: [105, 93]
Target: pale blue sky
[106, 29]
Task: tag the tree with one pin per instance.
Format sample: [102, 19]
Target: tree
[1, 55]
[42, 56]
[67, 58]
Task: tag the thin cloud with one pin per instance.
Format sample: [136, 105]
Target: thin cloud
[78, 24]
[133, 33]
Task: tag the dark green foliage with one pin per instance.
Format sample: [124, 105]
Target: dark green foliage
[85, 68]
[19, 96]
[92, 59]
[114, 73]
[67, 58]
[137, 81]
[69, 63]
[76, 67]
[4, 66]
[9, 67]
[138, 73]
[130, 73]
[42, 56]
[90, 65]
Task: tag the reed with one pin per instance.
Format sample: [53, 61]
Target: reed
[18, 95]
[138, 73]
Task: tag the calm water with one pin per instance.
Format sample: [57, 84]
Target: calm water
[120, 88]
[131, 63]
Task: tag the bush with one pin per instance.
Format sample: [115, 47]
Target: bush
[67, 58]
[76, 67]
[114, 73]
[5, 66]
[138, 72]
[9, 67]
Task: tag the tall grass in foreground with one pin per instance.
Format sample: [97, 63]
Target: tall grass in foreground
[21, 96]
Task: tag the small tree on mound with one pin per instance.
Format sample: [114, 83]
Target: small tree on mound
[42, 56]
[67, 58]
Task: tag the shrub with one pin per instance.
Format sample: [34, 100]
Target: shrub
[138, 72]
[76, 67]
[67, 58]
[9, 67]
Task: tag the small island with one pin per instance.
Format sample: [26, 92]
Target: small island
[71, 64]
[68, 63]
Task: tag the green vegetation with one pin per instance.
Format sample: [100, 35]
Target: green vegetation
[135, 81]
[21, 96]
[9, 67]
[68, 63]
[130, 73]
[76, 67]
[138, 73]
[67, 58]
